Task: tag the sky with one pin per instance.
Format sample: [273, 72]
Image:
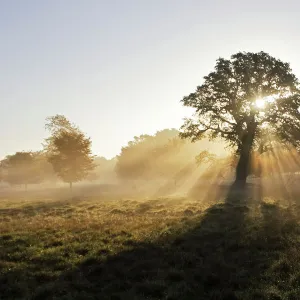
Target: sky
[119, 68]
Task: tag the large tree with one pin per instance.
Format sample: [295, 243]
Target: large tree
[248, 100]
[68, 150]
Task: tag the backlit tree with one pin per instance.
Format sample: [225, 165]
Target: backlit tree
[249, 101]
[68, 150]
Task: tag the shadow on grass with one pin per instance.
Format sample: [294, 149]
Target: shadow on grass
[226, 254]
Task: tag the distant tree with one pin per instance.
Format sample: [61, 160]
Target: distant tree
[68, 150]
[44, 167]
[21, 168]
[163, 156]
[131, 163]
[148, 157]
[205, 157]
[104, 170]
[247, 101]
[1, 171]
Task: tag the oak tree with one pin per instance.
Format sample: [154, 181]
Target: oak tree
[249, 100]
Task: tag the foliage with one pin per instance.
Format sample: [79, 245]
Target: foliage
[68, 150]
[138, 158]
[104, 170]
[23, 168]
[46, 169]
[162, 155]
[205, 157]
[226, 104]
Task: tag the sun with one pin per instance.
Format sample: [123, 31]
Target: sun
[260, 103]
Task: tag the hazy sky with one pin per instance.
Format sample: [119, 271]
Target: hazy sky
[119, 68]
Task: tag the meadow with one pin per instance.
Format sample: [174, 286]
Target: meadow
[223, 243]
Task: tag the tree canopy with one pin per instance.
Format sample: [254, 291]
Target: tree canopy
[104, 170]
[163, 156]
[249, 101]
[68, 150]
[147, 156]
[22, 168]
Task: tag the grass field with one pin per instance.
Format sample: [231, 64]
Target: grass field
[238, 247]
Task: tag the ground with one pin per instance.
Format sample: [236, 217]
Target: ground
[239, 245]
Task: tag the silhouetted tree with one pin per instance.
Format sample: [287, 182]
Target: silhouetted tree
[247, 100]
[68, 150]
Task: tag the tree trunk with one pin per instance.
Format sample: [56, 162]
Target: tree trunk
[242, 168]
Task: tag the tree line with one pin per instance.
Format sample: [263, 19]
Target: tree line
[163, 156]
[67, 157]
[251, 102]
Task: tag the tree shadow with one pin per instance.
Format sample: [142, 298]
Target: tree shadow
[224, 254]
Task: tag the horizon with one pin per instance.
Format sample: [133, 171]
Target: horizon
[118, 71]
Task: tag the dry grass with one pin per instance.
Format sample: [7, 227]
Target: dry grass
[138, 216]
[167, 248]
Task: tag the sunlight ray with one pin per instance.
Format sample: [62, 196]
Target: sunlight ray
[280, 170]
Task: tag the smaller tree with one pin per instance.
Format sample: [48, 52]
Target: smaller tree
[68, 150]
[21, 168]
[205, 157]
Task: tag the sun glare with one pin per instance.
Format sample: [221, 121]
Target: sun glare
[260, 103]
